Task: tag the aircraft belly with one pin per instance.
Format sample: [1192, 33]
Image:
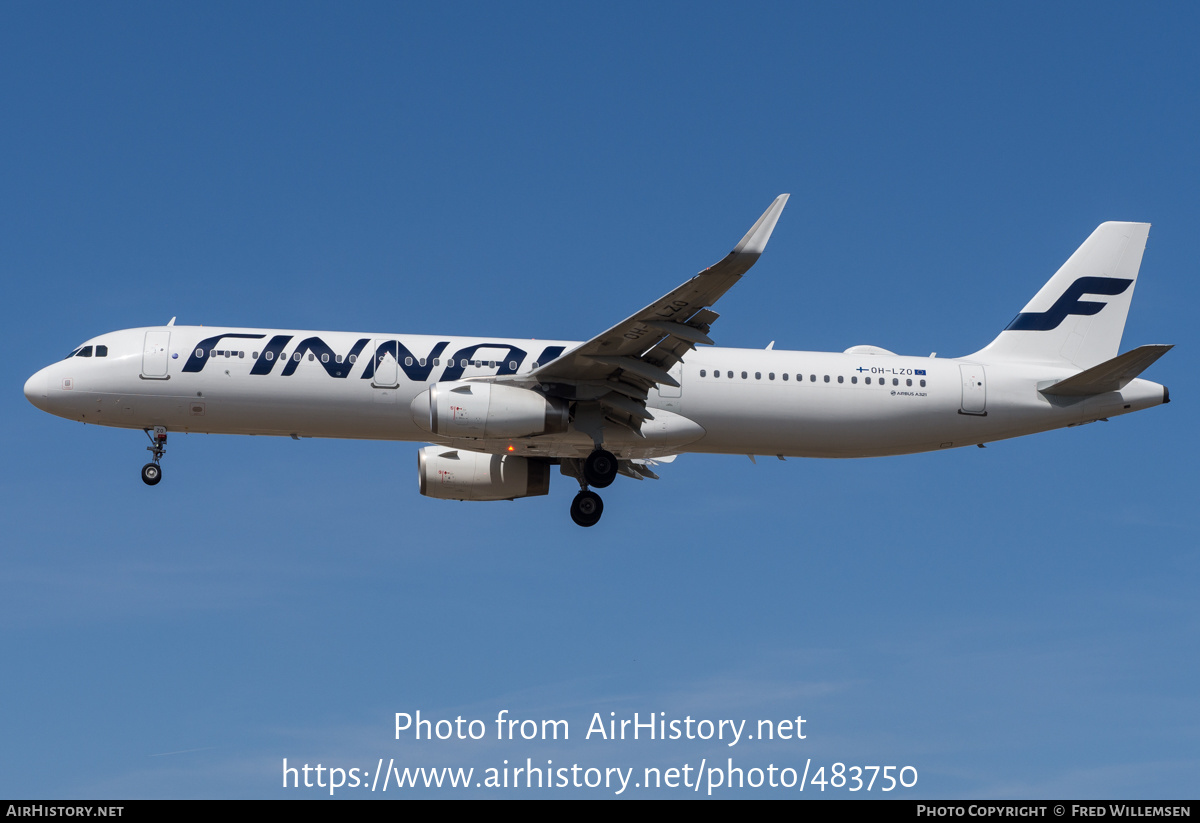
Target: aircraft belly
[307, 408]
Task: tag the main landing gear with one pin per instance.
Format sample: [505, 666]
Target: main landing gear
[586, 508]
[152, 472]
[599, 470]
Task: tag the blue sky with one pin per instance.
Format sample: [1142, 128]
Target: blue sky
[1018, 621]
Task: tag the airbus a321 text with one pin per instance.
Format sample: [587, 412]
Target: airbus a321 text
[501, 413]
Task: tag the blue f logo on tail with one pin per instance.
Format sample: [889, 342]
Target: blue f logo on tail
[1069, 303]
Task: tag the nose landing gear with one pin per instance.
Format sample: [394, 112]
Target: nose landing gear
[152, 472]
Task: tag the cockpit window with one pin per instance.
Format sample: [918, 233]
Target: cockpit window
[102, 351]
[86, 351]
[72, 354]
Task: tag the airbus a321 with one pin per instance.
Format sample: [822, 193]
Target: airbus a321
[500, 413]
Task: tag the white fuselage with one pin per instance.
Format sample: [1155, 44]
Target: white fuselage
[788, 403]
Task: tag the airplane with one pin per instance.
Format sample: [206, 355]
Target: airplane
[500, 413]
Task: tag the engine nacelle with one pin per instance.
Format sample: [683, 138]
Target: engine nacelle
[487, 410]
[454, 474]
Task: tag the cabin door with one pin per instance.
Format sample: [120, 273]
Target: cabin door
[974, 389]
[154, 355]
[387, 369]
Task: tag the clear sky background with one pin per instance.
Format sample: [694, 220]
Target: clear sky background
[1016, 621]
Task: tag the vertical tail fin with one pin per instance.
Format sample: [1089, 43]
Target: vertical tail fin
[1059, 326]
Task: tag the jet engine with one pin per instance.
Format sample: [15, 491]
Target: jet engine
[474, 409]
[455, 474]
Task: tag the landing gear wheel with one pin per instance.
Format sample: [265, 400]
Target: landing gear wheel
[586, 509]
[151, 474]
[600, 469]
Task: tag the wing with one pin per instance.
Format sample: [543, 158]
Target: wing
[617, 368]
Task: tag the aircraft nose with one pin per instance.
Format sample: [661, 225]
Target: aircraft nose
[36, 389]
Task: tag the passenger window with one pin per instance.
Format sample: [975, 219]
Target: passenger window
[311, 357]
[421, 361]
[729, 374]
[269, 355]
[868, 380]
[922, 384]
[437, 361]
[895, 382]
[241, 355]
[771, 376]
[908, 382]
[325, 358]
[491, 364]
[841, 379]
[743, 375]
[535, 365]
[408, 361]
[758, 375]
[297, 356]
[853, 379]
[353, 358]
[337, 358]
[785, 376]
[826, 378]
[812, 378]
[703, 373]
[512, 364]
[254, 355]
[102, 351]
[463, 363]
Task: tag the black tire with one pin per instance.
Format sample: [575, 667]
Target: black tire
[151, 474]
[586, 509]
[600, 468]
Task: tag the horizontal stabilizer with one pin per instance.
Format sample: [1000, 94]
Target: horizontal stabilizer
[1111, 375]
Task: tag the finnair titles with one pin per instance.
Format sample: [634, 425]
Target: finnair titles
[501, 414]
